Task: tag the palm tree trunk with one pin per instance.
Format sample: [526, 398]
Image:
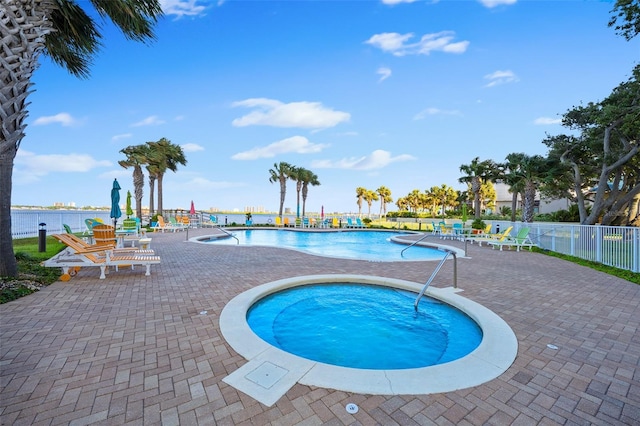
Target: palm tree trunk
[8, 264]
[160, 210]
[283, 193]
[475, 188]
[138, 188]
[152, 181]
[529, 200]
[514, 205]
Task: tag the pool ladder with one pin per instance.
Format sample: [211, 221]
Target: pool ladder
[448, 253]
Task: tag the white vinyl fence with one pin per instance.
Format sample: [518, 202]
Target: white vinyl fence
[617, 246]
[26, 223]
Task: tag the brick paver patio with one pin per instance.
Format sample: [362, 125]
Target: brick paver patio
[136, 350]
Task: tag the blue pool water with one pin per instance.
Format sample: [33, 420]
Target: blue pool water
[365, 245]
[363, 326]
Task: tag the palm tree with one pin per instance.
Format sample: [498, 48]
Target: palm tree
[63, 31]
[294, 175]
[385, 197]
[308, 178]
[370, 196]
[137, 156]
[360, 193]
[445, 196]
[165, 155]
[476, 173]
[402, 203]
[152, 169]
[280, 173]
[527, 175]
[511, 178]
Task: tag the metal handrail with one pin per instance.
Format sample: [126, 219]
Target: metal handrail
[435, 272]
[229, 234]
[413, 244]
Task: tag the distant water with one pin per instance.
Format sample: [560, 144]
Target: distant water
[25, 223]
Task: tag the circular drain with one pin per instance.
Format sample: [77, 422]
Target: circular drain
[352, 408]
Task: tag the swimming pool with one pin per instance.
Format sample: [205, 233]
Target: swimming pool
[270, 371]
[354, 244]
[363, 326]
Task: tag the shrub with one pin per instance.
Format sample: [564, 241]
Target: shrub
[478, 224]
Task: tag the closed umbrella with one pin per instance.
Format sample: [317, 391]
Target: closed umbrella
[193, 209]
[129, 209]
[115, 202]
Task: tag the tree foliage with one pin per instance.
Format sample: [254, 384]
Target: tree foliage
[601, 162]
[64, 31]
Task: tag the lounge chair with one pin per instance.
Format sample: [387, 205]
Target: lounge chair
[179, 225]
[76, 242]
[335, 223]
[278, 221]
[359, 223]
[486, 238]
[286, 222]
[520, 240]
[350, 223]
[305, 222]
[213, 221]
[75, 256]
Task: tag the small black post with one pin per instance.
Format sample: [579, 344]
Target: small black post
[42, 237]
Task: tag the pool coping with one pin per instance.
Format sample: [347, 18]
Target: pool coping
[271, 372]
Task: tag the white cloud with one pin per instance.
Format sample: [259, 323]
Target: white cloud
[63, 118]
[376, 160]
[543, 121]
[297, 144]
[30, 167]
[191, 147]
[434, 111]
[182, 8]
[120, 137]
[493, 3]
[271, 112]
[384, 72]
[500, 77]
[152, 120]
[397, 44]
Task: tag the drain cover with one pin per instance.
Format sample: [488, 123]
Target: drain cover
[352, 408]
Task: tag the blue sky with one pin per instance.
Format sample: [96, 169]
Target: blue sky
[363, 93]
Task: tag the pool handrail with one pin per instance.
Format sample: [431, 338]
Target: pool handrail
[448, 253]
[413, 244]
[229, 234]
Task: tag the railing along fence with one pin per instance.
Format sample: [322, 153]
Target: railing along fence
[617, 246]
[26, 223]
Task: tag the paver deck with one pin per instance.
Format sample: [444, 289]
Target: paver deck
[136, 350]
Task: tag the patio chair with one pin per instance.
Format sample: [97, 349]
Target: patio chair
[486, 238]
[520, 240]
[75, 257]
[76, 242]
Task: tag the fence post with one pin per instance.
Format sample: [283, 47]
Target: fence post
[635, 251]
[599, 243]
